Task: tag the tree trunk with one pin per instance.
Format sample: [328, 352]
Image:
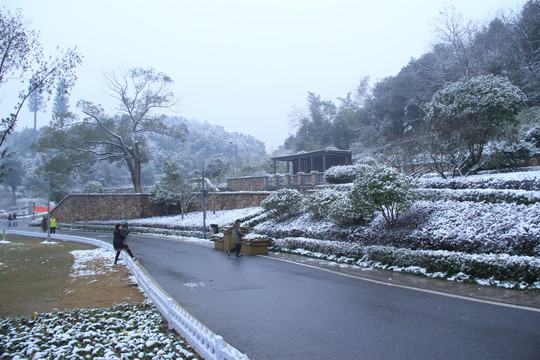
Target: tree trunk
[14, 195]
[135, 168]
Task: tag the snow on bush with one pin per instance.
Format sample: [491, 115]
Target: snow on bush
[384, 189]
[121, 332]
[481, 195]
[342, 174]
[336, 206]
[93, 187]
[300, 226]
[284, 202]
[434, 225]
[518, 181]
[473, 227]
[319, 202]
[346, 211]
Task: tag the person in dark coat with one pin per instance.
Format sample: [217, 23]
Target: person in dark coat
[237, 236]
[120, 242]
[44, 223]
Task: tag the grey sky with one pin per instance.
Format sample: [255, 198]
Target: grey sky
[239, 63]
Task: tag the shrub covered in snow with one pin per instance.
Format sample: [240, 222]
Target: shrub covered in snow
[125, 331]
[468, 227]
[384, 189]
[481, 195]
[337, 206]
[518, 181]
[342, 174]
[345, 211]
[319, 202]
[284, 202]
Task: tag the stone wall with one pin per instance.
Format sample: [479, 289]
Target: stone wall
[230, 200]
[86, 207]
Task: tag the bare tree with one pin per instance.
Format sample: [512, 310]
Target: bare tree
[452, 29]
[121, 138]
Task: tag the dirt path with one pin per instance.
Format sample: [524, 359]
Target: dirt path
[40, 276]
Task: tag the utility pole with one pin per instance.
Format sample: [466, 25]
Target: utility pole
[204, 195]
[48, 206]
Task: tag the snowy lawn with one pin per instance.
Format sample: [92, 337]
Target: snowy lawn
[127, 331]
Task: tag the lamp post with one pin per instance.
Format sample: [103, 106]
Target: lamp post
[48, 206]
[204, 195]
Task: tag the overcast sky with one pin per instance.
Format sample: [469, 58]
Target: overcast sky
[243, 64]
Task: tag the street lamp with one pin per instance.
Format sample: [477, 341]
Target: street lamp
[204, 195]
[48, 206]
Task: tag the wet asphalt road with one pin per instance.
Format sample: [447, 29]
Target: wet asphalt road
[269, 309]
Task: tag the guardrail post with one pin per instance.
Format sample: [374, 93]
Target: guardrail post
[170, 313]
[220, 348]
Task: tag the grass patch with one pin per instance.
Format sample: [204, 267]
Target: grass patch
[33, 274]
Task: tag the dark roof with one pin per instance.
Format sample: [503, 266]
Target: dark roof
[312, 153]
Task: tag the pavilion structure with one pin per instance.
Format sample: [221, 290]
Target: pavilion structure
[314, 161]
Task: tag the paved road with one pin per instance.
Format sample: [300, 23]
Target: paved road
[271, 309]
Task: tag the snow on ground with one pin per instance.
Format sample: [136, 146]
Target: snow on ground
[84, 258]
[195, 219]
[126, 331]
[121, 332]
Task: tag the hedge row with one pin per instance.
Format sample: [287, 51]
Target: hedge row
[482, 182]
[520, 197]
[497, 269]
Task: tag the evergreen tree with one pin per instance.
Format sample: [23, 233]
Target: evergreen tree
[173, 189]
[36, 103]
[61, 103]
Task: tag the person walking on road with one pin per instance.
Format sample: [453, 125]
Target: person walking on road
[237, 236]
[120, 242]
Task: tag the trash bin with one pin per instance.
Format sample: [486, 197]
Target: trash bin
[215, 228]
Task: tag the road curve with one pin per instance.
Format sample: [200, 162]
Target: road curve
[271, 309]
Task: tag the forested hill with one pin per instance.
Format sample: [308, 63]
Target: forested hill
[391, 120]
[203, 142]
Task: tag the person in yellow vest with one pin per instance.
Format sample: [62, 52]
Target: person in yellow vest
[53, 224]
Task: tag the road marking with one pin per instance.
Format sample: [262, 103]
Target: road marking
[434, 292]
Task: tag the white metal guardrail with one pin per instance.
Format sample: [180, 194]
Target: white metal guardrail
[207, 344]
